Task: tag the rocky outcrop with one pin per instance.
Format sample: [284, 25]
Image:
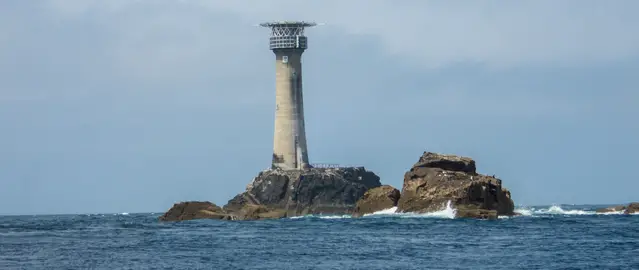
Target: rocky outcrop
[195, 210]
[432, 182]
[287, 193]
[464, 212]
[258, 212]
[377, 199]
[612, 209]
[630, 209]
[436, 179]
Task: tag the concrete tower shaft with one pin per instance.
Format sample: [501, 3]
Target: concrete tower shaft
[288, 42]
[289, 144]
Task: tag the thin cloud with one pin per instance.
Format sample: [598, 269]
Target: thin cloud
[17, 95]
[494, 33]
[188, 46]
[431, 34]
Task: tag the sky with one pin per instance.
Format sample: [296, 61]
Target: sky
[130, 106]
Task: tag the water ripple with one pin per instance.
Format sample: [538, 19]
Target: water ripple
[546, 238]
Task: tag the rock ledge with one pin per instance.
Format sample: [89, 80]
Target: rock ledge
[195, 210]
[377, 199]
[304, 192]
[630, 209]
[438, 178]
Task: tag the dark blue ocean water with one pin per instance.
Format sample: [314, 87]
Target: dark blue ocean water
[559, 237]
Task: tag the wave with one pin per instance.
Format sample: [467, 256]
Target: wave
[388, 211]
[322, 216]
[447, 213]
[558, 210]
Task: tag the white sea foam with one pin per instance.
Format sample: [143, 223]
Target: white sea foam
[524, 212]
[335, 217]
[558, 210]
[447, 212]
[612, 213]
[322, 216]
[388, 211]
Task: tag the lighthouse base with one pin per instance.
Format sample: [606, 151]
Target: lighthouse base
[333, 191]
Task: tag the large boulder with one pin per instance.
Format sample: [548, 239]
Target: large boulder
[303, 192]
[377, 199]
[195, 210]
[436, 179]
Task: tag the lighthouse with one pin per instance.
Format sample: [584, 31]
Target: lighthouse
[287, 41]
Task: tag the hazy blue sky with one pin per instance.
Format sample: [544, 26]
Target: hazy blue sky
[129, 106]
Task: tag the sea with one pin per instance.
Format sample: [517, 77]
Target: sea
[543, 237]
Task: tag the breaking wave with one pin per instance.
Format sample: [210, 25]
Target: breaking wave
[335, 217]
[449, 212]
[322, 216]
[558, 210]
[388, 211]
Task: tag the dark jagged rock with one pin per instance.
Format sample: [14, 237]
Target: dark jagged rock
[632, 208]
[436, 179]
[302, 192]
[377, 199]
[195, 210]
